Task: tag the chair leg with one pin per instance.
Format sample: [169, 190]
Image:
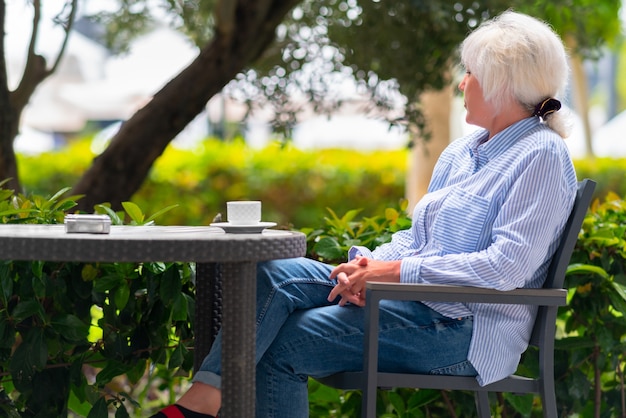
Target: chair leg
[368, 404]
[482, 404]
[548, 401]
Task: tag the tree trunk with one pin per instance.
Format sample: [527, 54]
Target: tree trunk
[12, 103]
[8, 161]
[8, 123]
[581, 100]
[437, 106]
[244, 30]
[580, 92]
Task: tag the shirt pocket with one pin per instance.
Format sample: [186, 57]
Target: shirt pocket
[460, 221]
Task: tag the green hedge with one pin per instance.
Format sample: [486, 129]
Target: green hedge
[609, 173]
[295, 186]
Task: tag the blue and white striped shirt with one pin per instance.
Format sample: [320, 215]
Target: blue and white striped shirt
[492, 217]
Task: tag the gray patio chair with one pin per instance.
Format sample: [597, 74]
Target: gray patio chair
[547, 298]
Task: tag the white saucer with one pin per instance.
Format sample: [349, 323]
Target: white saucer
[244, 229]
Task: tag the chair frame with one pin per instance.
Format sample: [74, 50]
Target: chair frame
[548, 298]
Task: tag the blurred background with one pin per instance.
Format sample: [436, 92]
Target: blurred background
[94, 89]
[137, 78]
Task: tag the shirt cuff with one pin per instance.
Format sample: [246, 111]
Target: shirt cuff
[410, 270]
[359, 250]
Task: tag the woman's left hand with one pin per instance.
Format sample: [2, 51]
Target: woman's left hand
[352, 276]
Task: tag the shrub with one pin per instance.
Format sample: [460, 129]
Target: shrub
[591, 348]
[591, 336]
[295, 186]
[88, 330]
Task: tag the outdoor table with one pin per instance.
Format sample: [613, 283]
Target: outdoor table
[237, 255]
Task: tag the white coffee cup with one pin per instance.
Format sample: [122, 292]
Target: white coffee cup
[243, 212]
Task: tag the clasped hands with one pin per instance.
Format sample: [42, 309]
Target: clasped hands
[352, 276]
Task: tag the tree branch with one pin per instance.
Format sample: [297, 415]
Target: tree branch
[448, 403]
[35, 30]
[35, 68]
[67, 27]
[225, 18]
[4, 84]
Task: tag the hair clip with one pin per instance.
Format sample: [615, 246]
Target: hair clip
[546, 107]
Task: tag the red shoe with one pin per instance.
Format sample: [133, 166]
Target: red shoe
[177, 411]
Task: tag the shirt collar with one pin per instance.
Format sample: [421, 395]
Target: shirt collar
[502, 140]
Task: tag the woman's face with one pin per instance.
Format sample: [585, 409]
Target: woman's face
[479, 112]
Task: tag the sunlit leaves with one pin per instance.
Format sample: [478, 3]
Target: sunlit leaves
[332, 242]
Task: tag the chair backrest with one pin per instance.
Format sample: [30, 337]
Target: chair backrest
[560, 261]
[544, 327]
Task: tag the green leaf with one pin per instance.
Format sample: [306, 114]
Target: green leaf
[587, 268]
[521, 403]
[134, 212]
[573, 343]
[121, 412]
[177, 357]
[115, 219]
[136, 373]
[65, 205]
[29, 357]
[80, 408]
[110, 371]
[27, 309]
[160, 212]
[77, 379]
[156, 267]
[59, 194]
[6, 282]
[422, 397]
[578, 386]
[39, 285]
[329, 248]
[67, 202]
[89, 272]
[7, 332]
[70, 328]
[170, 286]
[37, 268]
[398, 403]
[13, 212]
[99, 410]
[122, 292]
[92, 394]
[4, 193]
[179, 308]
[618, 298]
[107, 282]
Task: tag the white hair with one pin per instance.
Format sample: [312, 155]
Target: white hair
[516, 57]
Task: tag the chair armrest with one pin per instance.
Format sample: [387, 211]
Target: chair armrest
[464, 294]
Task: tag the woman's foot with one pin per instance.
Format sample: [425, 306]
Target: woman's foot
[177, 411]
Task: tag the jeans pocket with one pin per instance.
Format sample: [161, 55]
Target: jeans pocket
[463, 368]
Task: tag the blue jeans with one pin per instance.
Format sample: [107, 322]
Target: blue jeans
[301, 334]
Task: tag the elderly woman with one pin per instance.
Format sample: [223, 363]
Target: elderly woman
[495, 208]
